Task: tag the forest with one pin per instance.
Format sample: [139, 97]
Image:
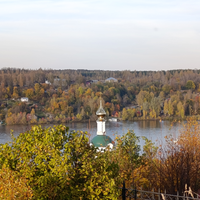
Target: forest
[59, 96]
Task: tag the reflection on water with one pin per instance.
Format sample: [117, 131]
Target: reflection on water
[154, 130]
[150, 124]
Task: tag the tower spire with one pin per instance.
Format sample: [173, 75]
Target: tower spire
[101, 113]
[101, 100]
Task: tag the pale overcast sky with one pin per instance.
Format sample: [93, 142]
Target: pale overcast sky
[100, 34]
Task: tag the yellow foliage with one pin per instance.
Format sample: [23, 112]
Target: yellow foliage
[12, 186]
[79, 116]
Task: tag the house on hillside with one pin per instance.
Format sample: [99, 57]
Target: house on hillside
[24, 99]
[95, 81]
[134, 106]
[111, 79]
[59, 82]
[89, 82]
[47, 82]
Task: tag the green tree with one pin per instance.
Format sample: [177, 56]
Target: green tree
[155, 106]
[180, 108]
[190, 85]
[80, 90]
[37, 88]
[15, 93]
[142, 97]
[29, 93]
[131, 113]
[145, 107]
[127, 156]
[166, 88]
[82, 113]
[170, 108]
[58, 164]
[33, 118]
[166, 107]
[124, 114]
[79, 116]
[162, 95]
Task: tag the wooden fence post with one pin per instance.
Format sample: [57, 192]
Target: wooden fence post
[141, 193]
[177, 195]
[124, 191]
[135, 193]
[159, 194]
[153, 195]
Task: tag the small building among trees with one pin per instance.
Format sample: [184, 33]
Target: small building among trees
[24, 99]
[111, 79]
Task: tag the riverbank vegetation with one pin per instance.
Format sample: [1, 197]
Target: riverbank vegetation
[52, 163]
[59, 96]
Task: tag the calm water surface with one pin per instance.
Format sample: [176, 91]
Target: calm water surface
[154, 130]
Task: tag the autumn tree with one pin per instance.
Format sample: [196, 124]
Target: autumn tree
[37, 88]
[166, 88]
[15, 93]
[181, 110]
[170, 107]
[131, 113]
[166, 107]
[21, 80]
[29, 93]
[145, 107]
[177, 162]
[162, 96]
[33, 118]
[155, 107]
[124, 114]
[141, 97]
[127, 156]
[190, 85]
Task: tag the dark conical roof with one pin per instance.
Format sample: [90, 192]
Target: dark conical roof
[101, 141]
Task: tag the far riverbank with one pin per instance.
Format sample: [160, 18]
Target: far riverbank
[160, 118]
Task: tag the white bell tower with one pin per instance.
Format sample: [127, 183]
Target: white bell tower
[101, 140]
[101, 122]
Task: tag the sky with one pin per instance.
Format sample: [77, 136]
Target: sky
[100, 34]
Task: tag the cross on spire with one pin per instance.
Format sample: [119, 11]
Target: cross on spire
[101, 100]
[100, 111]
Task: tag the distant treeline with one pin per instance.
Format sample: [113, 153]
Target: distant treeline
[65, 95]
[177, 79]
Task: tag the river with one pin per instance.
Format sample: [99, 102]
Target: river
[153, 130]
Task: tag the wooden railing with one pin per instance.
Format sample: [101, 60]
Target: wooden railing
[133, 193]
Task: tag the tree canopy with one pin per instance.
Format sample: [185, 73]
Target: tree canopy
[58, 164]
